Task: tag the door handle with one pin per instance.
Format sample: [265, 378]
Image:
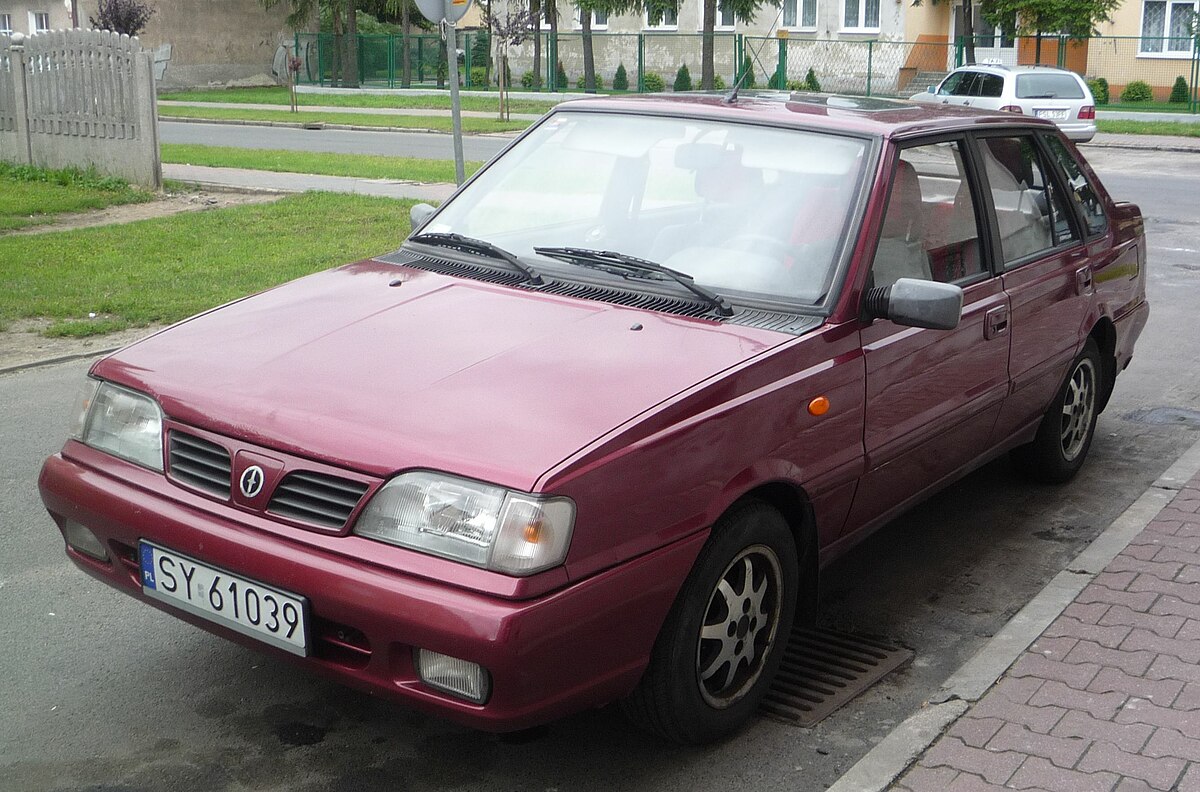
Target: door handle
[995, 321]
[1083, 280]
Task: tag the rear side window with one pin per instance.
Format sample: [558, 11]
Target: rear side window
[1081, 189]
[1048, 86]
[1031, 212]
[967, 85]
[991, 85]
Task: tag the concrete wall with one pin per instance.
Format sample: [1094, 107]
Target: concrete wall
[60, 14]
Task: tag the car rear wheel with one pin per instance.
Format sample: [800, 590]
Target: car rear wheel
[724, 638]
[1065, 434]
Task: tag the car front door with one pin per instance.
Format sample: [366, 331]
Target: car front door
[933, 396]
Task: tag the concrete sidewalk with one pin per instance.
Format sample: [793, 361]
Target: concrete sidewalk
[244, 179]
[1104, 693]
[334, 110]
[1188, 145]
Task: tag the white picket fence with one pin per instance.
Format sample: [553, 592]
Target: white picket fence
[80, 98]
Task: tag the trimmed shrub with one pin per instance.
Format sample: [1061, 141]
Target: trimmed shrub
[683, 79]
[1179, 91]
[654, 83]
[529, 80]
[621, 79]
[479, 77]
[1099, 89]
[718, 83]
[560, 77]
[1137, 91]
[810, 81]
[581, 83]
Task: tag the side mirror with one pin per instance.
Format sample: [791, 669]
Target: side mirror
[419, 214]
[917, 303]
[931, 89]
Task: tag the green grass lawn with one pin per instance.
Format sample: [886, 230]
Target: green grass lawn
[1146, 107]
[1177, 128]
[436, 123]
[32, 196]
[169, 268]
[279, 96]
[364, 166]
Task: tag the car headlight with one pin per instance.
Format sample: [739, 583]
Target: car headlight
[479, 524]
[121, 422]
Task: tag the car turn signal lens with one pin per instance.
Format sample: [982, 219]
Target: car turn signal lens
[818, 406]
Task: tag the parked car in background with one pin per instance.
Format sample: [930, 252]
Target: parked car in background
[592, 433]
[1048, 92]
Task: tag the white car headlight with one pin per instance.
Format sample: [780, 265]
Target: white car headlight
[479, 524]
[121, 422]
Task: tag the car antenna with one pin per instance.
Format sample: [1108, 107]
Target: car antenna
[732, 96]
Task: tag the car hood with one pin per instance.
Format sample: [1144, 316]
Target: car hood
[380, 368]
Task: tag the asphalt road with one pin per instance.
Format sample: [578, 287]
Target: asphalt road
[103, 693]
[339, 141]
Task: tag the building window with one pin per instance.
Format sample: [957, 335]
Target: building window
[1167, 26]
[6, 23]
[599, 20]
[861, 15]
[39, 21]
[666, 19]
[803, 13]
[725, 17]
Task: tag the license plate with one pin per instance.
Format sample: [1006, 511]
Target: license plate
[246, 606]
[1053, 115]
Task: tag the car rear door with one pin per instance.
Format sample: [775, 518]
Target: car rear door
[933, 396]
[1044, 268]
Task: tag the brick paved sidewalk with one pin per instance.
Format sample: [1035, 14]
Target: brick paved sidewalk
[1108, 697]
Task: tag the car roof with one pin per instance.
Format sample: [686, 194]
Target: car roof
[875, 116]
[1000, 68]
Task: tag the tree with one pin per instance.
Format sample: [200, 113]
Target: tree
[1076, 18]
[122, 16]
[341, 16]
[509, 29]
[744, 11]
[612, 8]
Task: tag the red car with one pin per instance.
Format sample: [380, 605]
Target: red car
[593, 431]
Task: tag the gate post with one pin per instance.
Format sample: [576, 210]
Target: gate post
[641, 81]
[18, 67]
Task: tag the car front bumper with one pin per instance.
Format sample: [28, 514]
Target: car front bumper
[579, 646]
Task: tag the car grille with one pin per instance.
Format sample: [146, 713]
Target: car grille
[316, 498]
[199, 463]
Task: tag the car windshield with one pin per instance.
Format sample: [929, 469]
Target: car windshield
[751, 211]
[1048, 86]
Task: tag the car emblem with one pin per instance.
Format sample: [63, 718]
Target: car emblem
[251, 482]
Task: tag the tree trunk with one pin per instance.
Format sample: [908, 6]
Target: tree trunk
[339, 44]
[969, 31]
[589, 58]
[443, 65]
[351, 71]
[405, 47]
[706, 45]
[1037, 45]
[535, 11]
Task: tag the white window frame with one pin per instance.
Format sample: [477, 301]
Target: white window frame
[719, 24]
[862, 11]
[33, 21]
[6, 23]
[596, 25]
[664, 25]
[1164, 53]
[800, 26]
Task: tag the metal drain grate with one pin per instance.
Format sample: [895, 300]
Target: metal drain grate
[824, 669]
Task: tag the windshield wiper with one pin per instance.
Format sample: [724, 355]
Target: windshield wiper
[622, 263]
[482, 247]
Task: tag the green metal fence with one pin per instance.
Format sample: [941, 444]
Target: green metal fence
[650, 61]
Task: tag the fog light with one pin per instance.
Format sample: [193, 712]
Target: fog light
[84, 540]
[460, 677]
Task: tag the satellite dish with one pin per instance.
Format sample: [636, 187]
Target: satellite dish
[437, 10]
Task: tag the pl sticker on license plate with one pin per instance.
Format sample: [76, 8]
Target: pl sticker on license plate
[245, 606]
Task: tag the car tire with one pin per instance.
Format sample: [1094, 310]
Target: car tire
[1065, 433]
[725, 635]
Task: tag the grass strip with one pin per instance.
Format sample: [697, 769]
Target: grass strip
[32, 196]
[363, 166]
[169, 268]
[1176, 128]
[436, 123]
[279, 96]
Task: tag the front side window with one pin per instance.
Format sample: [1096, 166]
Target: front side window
[1167, 26]
[861, 15]
[799, 13]
[1031, 215]
[745, 210]
[968, 85]
[929, 230]
[1081, 188]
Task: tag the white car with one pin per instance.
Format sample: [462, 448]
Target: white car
[1056, 94]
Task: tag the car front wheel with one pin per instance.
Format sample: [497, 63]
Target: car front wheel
[725, 635]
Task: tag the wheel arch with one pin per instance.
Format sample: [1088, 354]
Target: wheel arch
[1104, 333]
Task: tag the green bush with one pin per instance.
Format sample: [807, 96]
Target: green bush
[529, 80]
[654, 83]
[1179, 91]
[481, 53]
[748, 70]
[796, 85]
[581, 83]
[561, 82]
[810, 81]
[683, 79]
[777, 81]
[1137, 91]
[479, 77]
[718, 83]
[621, 79]
[1099, 89]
